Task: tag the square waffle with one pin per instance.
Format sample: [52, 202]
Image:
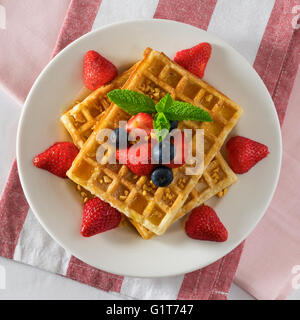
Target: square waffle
[155, 76]
[217, 177]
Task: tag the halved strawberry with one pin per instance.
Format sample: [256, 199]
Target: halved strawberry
[57, 159]
[98, 217]
[244, 153]
[194, 59]
[97, 70]
[204, 224]
[139, 159]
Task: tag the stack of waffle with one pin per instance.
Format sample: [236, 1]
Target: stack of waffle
[152, 209]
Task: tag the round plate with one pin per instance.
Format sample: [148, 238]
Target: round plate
[122, 251]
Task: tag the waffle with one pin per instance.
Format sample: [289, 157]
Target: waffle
[137, 197]
[215, 180]
[81, 119]
[217, 177]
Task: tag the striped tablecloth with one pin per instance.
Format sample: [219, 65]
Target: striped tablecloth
[264, 31]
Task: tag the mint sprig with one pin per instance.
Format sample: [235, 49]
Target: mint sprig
[161, 125]
[132, 102]
[166, 109]
[180, 111]
[164, 103]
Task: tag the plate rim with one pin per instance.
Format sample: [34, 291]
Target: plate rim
[19, 157]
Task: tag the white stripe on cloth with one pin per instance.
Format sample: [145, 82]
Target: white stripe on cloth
[152, 288]
[35, 247]
[121, 10]
[230, 21]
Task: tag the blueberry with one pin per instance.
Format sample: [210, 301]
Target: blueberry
[115, 138]
[163, 152]
[162, 176]
[173, 125]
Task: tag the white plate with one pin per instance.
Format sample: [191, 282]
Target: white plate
[121, 251]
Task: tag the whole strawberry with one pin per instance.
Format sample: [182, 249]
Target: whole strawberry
[204, 224]
[57, 159]
[244, 153]
[97, 70]
[98, 217]
[194, 59]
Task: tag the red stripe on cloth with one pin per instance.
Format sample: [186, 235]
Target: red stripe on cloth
[226, 274]
[80, 271]
[274, 46]
[287, 77]
[194, 12]
[212, 282]
[13, 211]
[198, 285]
[79, 20]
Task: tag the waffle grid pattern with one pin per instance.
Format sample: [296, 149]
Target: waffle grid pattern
[80, 120]
[215, 180]
[208, 186]
[155, 208]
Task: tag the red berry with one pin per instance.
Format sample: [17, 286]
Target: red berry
[179, 159]
[139, 159]
[142, 121]
[122, 155]
[204, 224]
[194, 59]
[97, 70]
[244, 153]
[98, 217]
[57, 159]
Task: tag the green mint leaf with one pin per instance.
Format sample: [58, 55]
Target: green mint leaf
[185, 111]
[132, 102]
[161, 125]
[164, 103]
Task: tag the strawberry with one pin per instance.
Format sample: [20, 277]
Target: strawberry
[179, 160]
[244, 153]
[98, 217]
[194, 59]
[204, 224]
[122, 155]
[142, 121]
[139, 159]
[97, 70]
[57, 159]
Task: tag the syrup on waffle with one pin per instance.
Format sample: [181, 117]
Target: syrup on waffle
[215, 180]
[155, 76]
